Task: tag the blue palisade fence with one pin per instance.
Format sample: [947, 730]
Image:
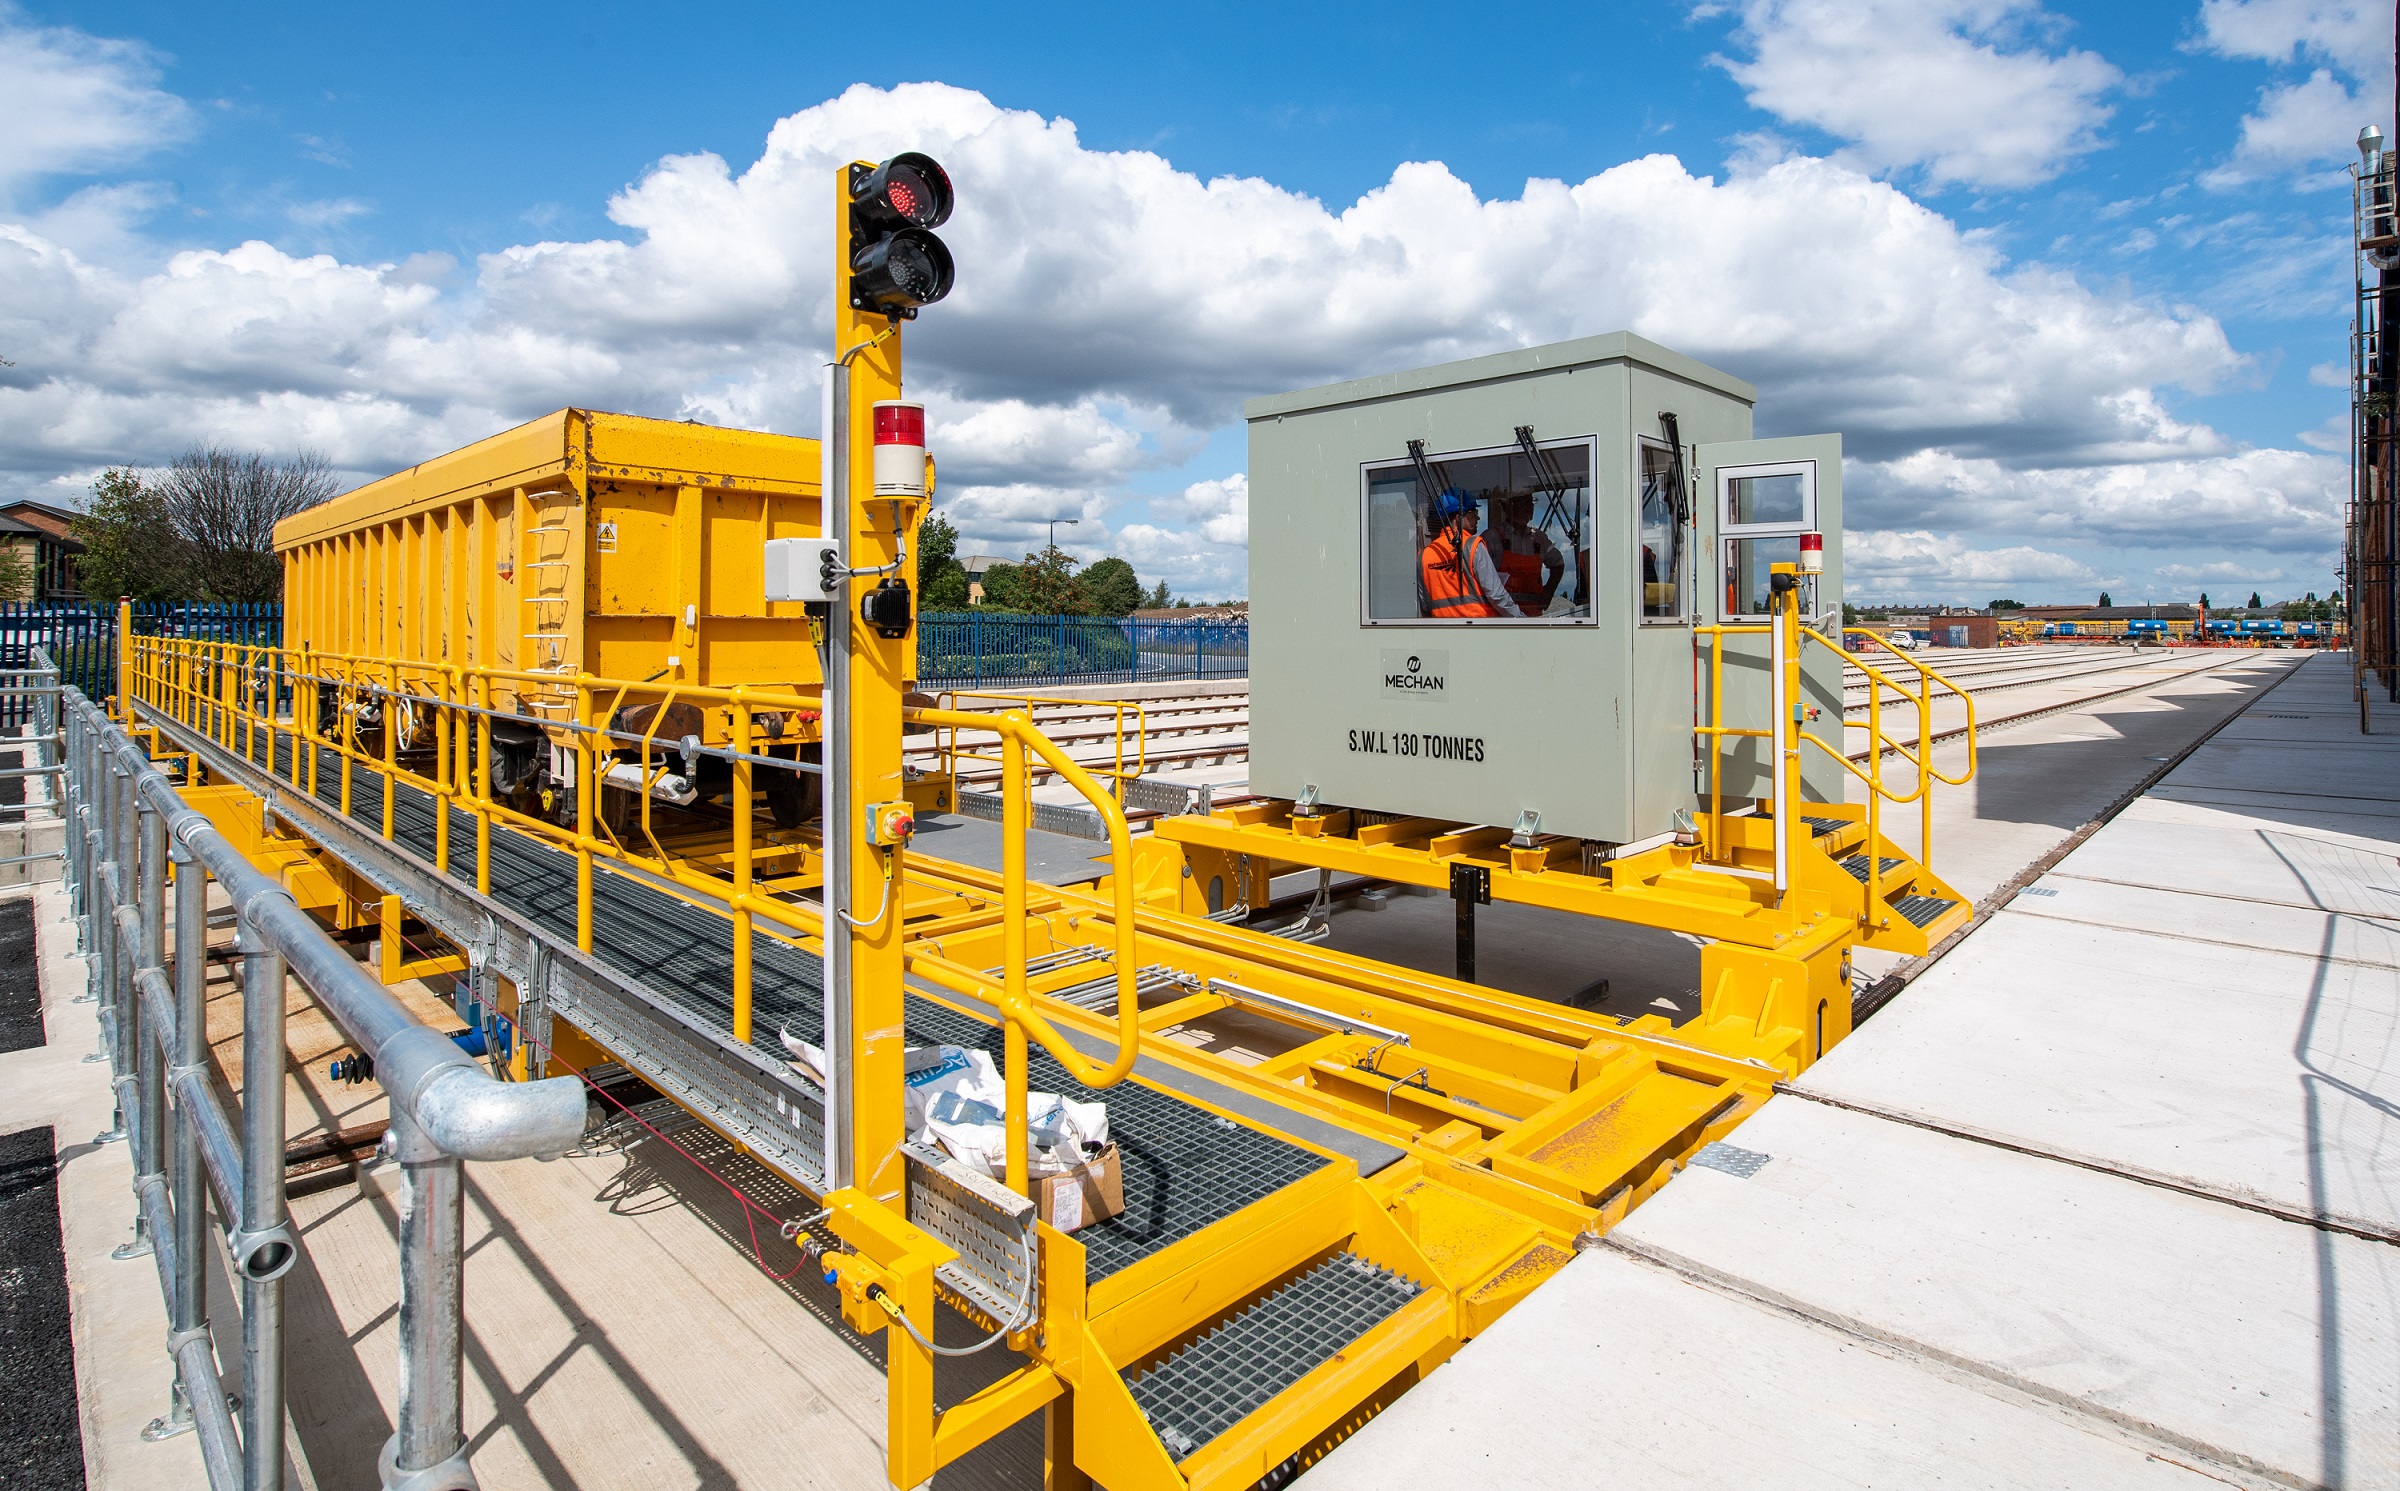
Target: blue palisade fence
[972, 649]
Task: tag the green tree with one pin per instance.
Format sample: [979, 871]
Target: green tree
[2255, 602]
[2001, 605]
[940, 577]
[2203, 600]
[947, 591]
[130, 544]
[1108, 587]
[2104, 600]
[1049, 584]
[1004, 588]
[16, 572]
[1157, 599]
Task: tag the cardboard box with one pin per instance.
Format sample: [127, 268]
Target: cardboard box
[1092, 1192]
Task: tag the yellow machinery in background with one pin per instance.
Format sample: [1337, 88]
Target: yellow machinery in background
[1337, 1171]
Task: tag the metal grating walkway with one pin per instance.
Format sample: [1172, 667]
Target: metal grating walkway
[1184, 1168]
[1242, 1363]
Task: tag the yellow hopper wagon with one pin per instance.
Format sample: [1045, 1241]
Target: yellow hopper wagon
[578, 544]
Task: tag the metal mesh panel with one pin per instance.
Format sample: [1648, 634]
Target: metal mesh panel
[1207, 1387]
[988, 1224]
[1730, 1158]
[1856, 864]
[1050, 817]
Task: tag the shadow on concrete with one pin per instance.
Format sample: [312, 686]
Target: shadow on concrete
[656, 1174]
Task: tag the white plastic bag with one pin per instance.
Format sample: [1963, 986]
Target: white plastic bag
[808, 1060]
[1062, 1133]
[931, 1071]
[969, 1130]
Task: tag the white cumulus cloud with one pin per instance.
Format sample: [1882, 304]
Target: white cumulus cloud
[1968, 91]
[1922, 563]
[1073, 359]
[78, 103]
[2314, 119]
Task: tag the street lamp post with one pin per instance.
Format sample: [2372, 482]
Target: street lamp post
[1054, 522]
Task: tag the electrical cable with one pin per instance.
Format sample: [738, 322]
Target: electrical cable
[748, 1206]
[882, 905]
[1023, 1303]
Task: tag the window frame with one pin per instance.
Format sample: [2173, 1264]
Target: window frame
[1688, 614]
[1366, 485]
[1730, 532]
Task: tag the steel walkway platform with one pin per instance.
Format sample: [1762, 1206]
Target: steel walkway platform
[1184, 1168]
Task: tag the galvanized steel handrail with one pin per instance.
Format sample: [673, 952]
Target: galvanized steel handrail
[127, 824]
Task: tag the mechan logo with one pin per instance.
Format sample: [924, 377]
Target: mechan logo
[1415, 673]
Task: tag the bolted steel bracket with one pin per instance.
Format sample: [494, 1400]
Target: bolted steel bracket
[453, 1474]
[265, 1254]
[138, 1248]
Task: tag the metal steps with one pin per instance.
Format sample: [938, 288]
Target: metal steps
[1242, 1363]
[1856, 864]
[1920, 911]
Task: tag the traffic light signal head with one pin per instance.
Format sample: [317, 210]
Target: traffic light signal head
[896, 264]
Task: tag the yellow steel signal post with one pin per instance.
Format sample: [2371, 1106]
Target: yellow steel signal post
[888, 263]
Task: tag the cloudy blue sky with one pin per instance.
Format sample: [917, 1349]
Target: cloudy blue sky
[2072, 280]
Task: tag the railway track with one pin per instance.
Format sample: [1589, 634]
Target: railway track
[1196, 732]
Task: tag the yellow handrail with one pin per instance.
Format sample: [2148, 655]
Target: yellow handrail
[951, 752]
[232, 693]
[1921, 760]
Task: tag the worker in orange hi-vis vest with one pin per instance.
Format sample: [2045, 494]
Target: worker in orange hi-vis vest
[1456, 567]
[1529, 562]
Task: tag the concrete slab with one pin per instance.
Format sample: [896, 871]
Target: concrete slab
[2308, 806]
[2229, 921]
[2260, 1074]
[2247, 1340]
[2207, 992]
[2212, 851]
[1622, 1373]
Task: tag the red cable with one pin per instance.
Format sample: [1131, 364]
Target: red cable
[748, 1206]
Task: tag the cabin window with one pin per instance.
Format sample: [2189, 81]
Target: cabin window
[1762, 511]
[1519, 554]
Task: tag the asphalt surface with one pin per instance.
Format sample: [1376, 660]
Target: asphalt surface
[41, 1436]
[20, 990]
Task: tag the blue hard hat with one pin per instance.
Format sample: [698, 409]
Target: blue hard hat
[1454, 503]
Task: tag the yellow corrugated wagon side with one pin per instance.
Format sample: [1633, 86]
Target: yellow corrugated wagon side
[580, 543]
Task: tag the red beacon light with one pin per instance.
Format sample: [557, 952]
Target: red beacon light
[1812, 553]
[900, 463]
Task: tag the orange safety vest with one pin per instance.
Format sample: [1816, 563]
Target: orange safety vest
[1450, 588]
[1522, 574]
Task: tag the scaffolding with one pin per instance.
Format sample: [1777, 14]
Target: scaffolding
[2371, 551]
